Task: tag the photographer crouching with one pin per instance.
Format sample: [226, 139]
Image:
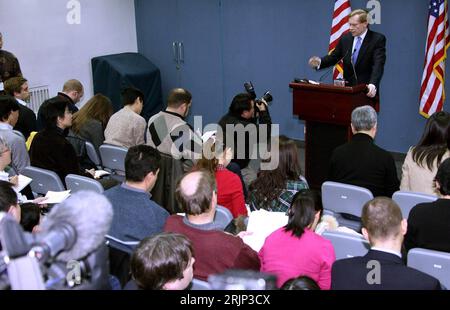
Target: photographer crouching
[247, 124]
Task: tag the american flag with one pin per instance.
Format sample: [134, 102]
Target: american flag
[339, 26]
[432, 93]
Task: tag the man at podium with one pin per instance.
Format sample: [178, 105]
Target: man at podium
[362, 51]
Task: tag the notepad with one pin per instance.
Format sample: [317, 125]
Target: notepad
[22, 182]
[262, 223]
[56, 197]
[99, 173]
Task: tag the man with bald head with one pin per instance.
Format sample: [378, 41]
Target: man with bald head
[215, 251]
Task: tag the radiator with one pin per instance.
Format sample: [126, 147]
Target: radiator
[38, 95]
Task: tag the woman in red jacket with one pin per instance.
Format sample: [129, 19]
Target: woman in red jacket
[230, 193]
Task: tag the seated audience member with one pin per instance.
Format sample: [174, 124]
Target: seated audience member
[9, 113]
[429, 223]
[423, 160]
[72, 92]
[8, 200]
[89, 124]
[296, 249]
[273, 189]
[163, 262]
[30, 217]
[136, 216]
[18, 88]
[230, 192]
[215, 251]
[169, 132]
[362, 163]
[245, 111]
[50, 149]
[90, 121]
[384, 227]
[126, 127]
[301, 283]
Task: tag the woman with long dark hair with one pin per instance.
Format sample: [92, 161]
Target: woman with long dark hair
[273, 189]
[422, 161]
[295, 249]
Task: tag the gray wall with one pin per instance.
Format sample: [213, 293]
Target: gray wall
[52, 51]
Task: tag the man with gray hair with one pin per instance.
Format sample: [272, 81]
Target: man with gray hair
[362, 163]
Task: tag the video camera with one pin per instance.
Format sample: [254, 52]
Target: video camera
[251, 91]
[31, 261]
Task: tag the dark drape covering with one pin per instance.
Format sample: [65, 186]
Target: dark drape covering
[111, 73]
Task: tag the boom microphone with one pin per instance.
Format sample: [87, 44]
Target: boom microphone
[75, 228]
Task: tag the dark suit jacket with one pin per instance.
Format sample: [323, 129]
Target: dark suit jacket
[362, 163]
[369, 66]
[429, 226]
[50, 150]
[351, 274]
[26, 122]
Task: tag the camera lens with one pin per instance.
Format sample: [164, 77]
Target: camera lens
[267, 97]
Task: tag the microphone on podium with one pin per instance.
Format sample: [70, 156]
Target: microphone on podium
[331, 68]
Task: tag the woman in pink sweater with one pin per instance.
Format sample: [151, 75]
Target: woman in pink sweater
[295, 249]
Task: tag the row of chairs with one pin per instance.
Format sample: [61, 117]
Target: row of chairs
[46, 180]
[434, 263]
[112, 159]
[349, 200]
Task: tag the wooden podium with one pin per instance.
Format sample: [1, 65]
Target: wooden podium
[326, 110]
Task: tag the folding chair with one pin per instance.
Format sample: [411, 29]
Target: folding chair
[113, 159]
[223, 217]
[407, 200]
[434, 263]
[347, 245]
[345, 199]
[43, 180]
[93, 155]
[78, 183]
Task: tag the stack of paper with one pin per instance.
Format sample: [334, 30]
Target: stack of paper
[55, 197]
[100, 173]
[262, 223]
[22, 182]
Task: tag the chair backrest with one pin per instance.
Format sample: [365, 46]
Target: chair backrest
[78, 183]
[347, 245]
[407, 200]
[223, 216]
[344, 198]
[125, 246]
[113, 157]
[199, 285]
[43, 180]
[92, 154]
[434, 263]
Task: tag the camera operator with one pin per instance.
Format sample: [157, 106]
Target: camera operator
[245, 111]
